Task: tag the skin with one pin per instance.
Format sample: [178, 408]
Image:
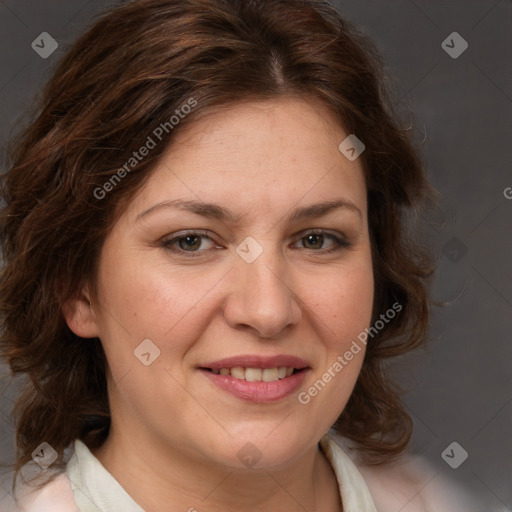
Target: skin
[175, 436]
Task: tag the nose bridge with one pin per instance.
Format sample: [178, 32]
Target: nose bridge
[266, 275]
[261, 296]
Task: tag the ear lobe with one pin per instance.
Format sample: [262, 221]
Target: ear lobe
[80, 317]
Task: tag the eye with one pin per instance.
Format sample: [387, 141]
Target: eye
[316, 240]
[191, 242]
[197, 243]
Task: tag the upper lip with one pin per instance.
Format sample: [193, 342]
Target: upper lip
[255, 361]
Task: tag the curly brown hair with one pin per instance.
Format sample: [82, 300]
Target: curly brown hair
[132, 69]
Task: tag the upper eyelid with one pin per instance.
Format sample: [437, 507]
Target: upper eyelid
[184, 233]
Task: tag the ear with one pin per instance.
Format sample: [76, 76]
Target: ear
[80, 316]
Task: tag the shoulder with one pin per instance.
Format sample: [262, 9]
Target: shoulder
[410, 484]
[54, 496]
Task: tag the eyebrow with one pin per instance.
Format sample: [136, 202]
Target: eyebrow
[215, 211]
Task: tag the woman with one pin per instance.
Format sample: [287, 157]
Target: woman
[206, 265]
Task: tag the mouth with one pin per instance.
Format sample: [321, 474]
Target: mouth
[257, 378]
[256, 374]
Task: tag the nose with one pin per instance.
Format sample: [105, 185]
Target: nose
[261, 298]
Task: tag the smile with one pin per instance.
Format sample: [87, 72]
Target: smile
[256, 374]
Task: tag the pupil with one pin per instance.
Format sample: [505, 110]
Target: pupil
[191, 242]
[315, 240]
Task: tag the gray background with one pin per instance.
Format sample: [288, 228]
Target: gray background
[461, 386]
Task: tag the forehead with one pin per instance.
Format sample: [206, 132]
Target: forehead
[263, 155]
[288, 124]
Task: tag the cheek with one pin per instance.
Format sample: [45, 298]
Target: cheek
[343, 303]
[141, 299]
[343, 308]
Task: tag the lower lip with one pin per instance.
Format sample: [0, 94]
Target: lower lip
[258, 391]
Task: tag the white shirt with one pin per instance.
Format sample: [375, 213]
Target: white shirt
[86, 486]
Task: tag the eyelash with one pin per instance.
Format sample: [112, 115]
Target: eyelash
[340, 243]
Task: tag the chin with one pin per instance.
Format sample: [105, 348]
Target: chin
[263, 451]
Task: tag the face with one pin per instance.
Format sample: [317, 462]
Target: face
[233, 283]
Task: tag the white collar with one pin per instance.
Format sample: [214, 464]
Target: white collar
[96, 490]
[354, 492]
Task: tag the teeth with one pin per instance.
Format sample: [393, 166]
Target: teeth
[270, 374]
[253, 374]
[238, 373]
[256, 374]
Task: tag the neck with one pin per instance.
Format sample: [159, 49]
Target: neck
[158, 478]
